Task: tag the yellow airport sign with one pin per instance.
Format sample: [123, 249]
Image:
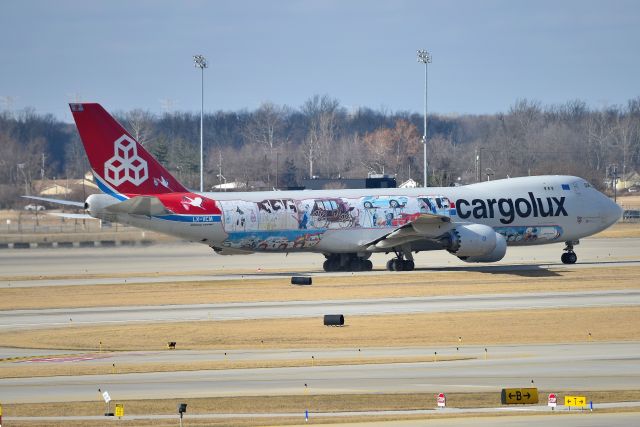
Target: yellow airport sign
[575, 401]
[519, 396]
[119, 410]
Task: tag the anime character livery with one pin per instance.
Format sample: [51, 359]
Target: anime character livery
[475, 223]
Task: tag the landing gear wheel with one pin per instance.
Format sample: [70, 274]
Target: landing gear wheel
[331, 264]
[398, 264]
[391, 265]
[569, 258]
[408, 265]
[367, 265]
[355, 264]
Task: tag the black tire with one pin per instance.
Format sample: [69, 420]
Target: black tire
[355, 264]
[398, 264]
[572, 258]
[408, 265]
[391, 265]
[327, 265]
[367, 265]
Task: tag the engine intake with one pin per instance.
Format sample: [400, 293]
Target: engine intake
[476, 243]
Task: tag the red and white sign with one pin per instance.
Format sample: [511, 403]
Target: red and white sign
[552, 400]
[442, 400]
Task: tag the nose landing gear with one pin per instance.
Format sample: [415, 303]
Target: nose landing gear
[569, 256]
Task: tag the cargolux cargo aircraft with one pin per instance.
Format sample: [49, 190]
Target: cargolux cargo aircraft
[475, 222]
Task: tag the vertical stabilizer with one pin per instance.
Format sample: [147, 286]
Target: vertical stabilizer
[121, 165]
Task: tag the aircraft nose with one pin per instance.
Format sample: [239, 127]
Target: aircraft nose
[613, 211]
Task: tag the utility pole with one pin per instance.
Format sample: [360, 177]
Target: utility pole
[479, 164]
[201, 62]
[277, 158]
[613, 174]
[424, 57]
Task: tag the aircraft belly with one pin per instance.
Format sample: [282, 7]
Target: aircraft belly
[349, 240]
[524, 235]
[197, 231]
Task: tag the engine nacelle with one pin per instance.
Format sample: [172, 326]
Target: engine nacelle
[476, 243]
[96, 205]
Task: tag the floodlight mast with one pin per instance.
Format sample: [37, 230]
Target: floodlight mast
[424, 57]
[201, 62]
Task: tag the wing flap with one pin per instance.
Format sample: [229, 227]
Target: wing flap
[425, 226]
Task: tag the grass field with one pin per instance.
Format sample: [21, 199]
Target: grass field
[293, 403]
[482, 328]
[361, 286]
[620, 230]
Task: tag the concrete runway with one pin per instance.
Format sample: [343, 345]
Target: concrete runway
[589, 366]
[45, 318]
[193, 262]
[574, 418]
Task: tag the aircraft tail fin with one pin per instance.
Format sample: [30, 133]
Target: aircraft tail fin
[120, 164]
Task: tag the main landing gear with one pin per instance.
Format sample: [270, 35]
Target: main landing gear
[401, 264]
[569, 257]
[346, 262]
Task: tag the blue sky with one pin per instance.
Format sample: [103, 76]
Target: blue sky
[486, 54]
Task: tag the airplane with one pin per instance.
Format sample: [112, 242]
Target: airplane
[475, 223]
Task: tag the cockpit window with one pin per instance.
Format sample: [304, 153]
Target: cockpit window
[587, 185]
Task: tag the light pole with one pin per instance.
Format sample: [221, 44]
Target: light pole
[201, 62]
[424, 57]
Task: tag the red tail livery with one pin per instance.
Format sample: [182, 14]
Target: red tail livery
[121, 166]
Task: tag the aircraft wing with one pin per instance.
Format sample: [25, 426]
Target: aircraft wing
[140, 205]
[425, 226]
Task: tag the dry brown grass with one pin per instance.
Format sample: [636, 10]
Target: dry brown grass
[299, 402]
[483, 328]
[620, 230]
[294, 403]
[368, 286]
[629, 201]
[19, 370]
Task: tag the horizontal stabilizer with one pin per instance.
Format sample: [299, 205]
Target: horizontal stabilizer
[58, 201]
[71, 215]
[140, 205]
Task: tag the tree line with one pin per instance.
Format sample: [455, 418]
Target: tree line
[278, 146]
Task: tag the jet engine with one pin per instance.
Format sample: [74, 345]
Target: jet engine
[476, 243]
[96, 205]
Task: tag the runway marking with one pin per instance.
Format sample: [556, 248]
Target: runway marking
[65, 359]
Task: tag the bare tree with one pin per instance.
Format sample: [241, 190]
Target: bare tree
[141, 124]
[321, 114]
